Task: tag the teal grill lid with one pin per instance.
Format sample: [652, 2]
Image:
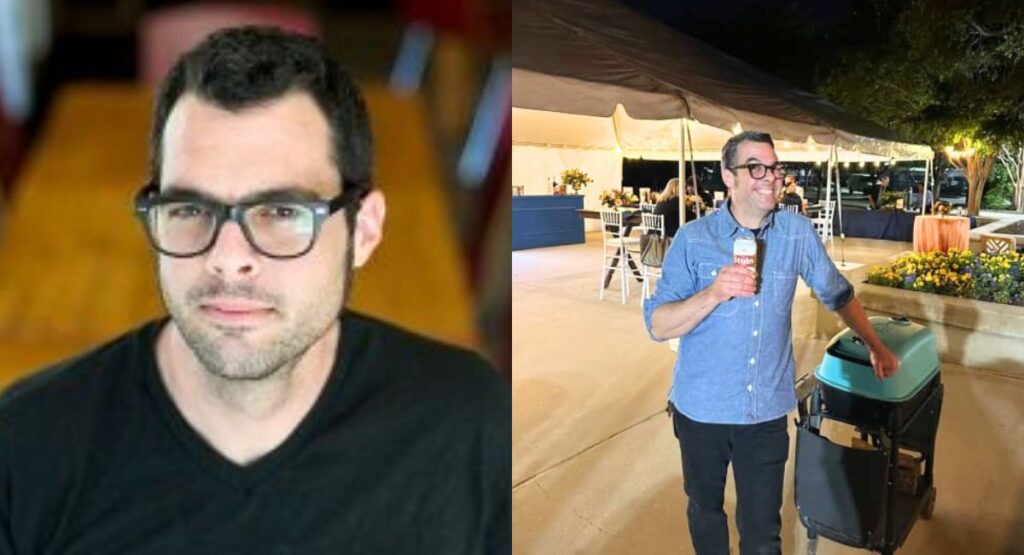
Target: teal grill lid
[847, 364]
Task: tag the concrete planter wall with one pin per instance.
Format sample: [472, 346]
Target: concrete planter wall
[970, 333]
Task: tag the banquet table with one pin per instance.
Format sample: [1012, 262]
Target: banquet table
[891, 225]
[941, 233]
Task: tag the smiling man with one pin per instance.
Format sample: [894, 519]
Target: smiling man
[261, 417]
[733, 382]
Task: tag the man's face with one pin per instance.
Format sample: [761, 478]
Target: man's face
[245, 315]
[885, 181]
[750, 195]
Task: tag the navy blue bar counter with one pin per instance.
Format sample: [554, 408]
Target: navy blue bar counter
[546, 221]
[892, 225]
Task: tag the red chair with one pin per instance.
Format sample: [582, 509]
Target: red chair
[167, 33]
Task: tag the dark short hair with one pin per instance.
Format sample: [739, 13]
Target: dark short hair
[729, 150]
[241, 67]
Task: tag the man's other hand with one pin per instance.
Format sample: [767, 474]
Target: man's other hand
[885, 362]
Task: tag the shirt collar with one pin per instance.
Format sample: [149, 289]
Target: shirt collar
[727, 224]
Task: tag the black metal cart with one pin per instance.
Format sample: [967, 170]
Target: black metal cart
[859, 496]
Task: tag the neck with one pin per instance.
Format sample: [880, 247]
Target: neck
[244, 419]
[749, 221]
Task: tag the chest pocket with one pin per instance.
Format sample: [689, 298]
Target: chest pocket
[707, 272]
[780, 289]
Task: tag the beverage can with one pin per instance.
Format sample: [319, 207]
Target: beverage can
[744, 253]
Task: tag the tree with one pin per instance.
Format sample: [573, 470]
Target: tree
[942, 72]
[1011, 158]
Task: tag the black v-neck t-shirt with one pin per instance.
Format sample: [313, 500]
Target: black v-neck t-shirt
[407, 450]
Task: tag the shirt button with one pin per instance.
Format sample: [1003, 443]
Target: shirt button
[755, 333]
[750, 387]
[714, 272]
[752, 362]
[757, 303]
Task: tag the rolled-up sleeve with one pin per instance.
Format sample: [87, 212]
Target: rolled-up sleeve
[678, 281]
[820, 273]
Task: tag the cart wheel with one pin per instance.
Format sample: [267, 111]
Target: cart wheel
[929, 508]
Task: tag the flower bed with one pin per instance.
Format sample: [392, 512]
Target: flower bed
[957, 273]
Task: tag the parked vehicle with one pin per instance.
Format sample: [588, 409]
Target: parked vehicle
[909, 178]
[952, 183]
[860, 183]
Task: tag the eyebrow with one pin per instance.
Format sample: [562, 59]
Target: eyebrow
[279, 193]
[753, 160]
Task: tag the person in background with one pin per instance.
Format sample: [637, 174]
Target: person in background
[791, 197]
[733, 376]
[878, 190]
[694, 203]
[668, 206]
[928, 199]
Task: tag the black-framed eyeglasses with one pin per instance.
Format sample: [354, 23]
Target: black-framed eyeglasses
[758, 171]
[279, 225]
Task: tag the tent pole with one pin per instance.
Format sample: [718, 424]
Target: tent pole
[924, 185]
[832, 161]
[839, 210]
[681, 194]
[693, 167]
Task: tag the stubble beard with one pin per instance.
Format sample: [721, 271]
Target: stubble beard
[225, 353]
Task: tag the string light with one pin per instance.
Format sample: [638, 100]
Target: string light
[954, 153]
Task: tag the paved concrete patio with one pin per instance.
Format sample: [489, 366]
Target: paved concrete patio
[596, 468]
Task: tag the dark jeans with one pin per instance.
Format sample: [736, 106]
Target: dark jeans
[758, 454]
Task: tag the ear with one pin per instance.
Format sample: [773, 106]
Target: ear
[728, 178]
[369, 227]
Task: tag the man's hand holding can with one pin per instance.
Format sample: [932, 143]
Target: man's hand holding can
[734, 280]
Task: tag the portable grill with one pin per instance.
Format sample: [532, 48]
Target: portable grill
[869, 496]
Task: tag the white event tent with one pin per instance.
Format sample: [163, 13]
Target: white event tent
[594, 82]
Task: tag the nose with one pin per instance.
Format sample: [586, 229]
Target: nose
[232, 257]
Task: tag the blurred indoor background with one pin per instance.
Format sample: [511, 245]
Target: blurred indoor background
[76, 89]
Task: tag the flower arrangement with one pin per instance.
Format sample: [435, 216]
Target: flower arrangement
[615, 199]
[958, 273]
[575, 179]
[889, 199]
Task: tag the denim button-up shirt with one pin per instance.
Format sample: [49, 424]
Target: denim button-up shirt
[736, 366]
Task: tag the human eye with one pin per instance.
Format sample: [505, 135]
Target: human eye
[280, 212]
[756, 169]
[185, 210]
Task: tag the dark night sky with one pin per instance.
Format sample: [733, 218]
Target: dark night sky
[764, 33]
[676, 13]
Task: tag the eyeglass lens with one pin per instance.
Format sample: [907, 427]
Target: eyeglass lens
[277, 229]
[757, 171]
